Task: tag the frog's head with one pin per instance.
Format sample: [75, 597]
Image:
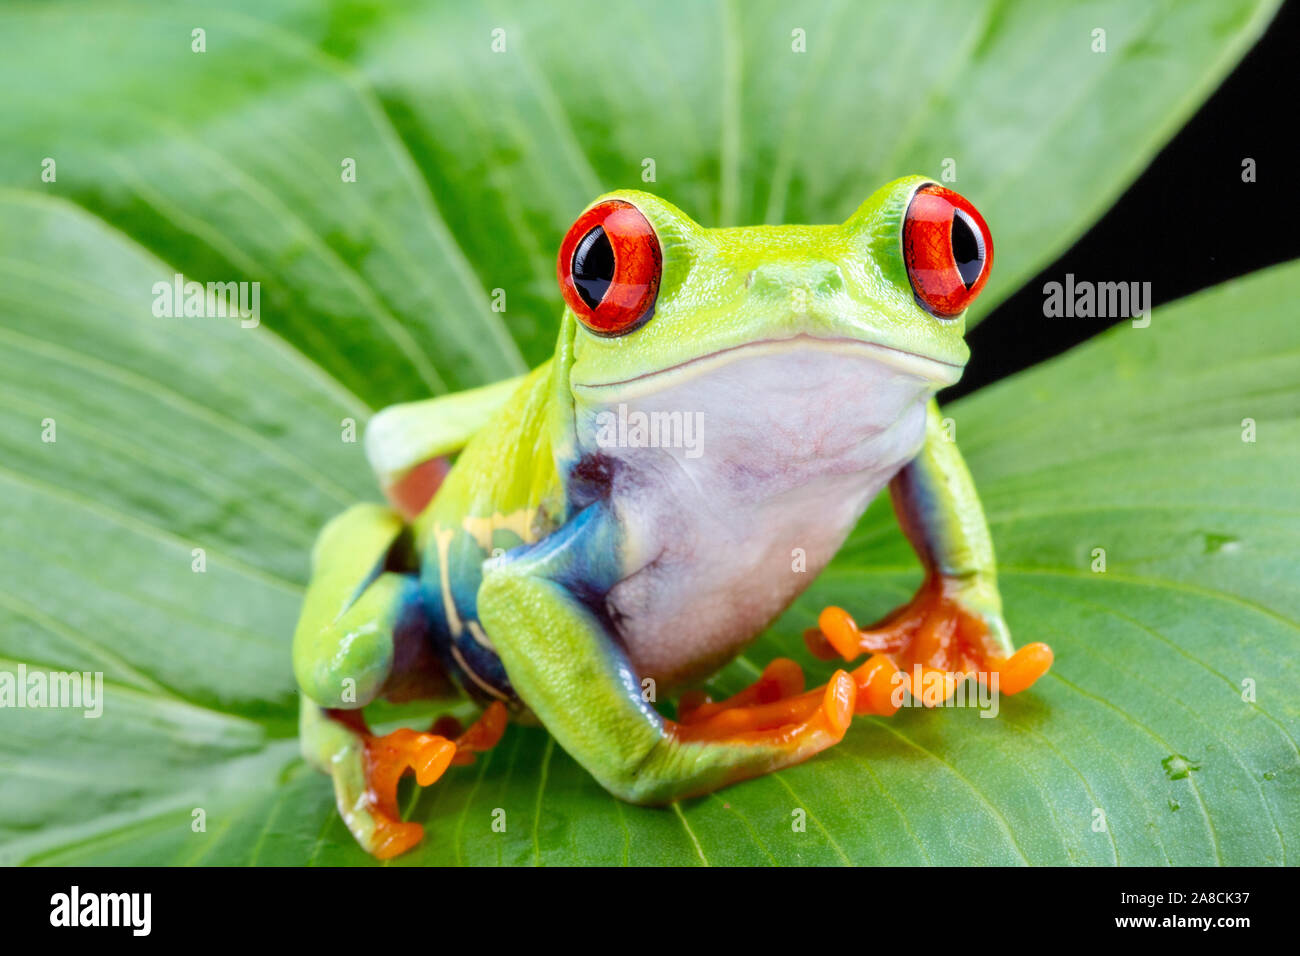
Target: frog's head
[655, 299]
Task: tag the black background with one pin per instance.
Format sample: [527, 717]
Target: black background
[1187, 223]
[394, 909]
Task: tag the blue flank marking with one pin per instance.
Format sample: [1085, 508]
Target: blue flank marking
[582, 556]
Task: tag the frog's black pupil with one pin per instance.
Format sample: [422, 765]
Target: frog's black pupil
[967, 247]
[593, 266]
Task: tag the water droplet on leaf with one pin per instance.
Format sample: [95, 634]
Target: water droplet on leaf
[1177, 766]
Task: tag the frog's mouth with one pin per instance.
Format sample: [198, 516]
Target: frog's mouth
[935, 371]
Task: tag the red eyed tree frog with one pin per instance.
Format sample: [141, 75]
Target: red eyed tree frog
[620, 522]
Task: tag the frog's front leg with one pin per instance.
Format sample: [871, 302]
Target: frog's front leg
[953, 626]
[543, 607]
[363, 634]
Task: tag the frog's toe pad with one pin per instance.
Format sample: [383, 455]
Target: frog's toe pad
[390, 756]
[394, 837]
[933, 686]
[877, 681]
[1019, 671]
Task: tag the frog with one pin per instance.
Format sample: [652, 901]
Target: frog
[583, 545]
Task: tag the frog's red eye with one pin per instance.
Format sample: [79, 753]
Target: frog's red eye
[948, 250]
[609, 268]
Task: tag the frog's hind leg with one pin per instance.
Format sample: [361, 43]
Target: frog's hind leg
[363, 634]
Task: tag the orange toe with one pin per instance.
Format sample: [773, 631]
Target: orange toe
[780, 680]
[839, 702]
[431, 758]
[828, 708]
[390, 756]
[877, 684]
[393, 837]
[934, 686]
[485, 733]
[387, 758]
[1019, 671]
[841, 631]
[729, 721]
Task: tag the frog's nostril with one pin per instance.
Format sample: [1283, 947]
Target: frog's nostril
[826, 277]
[809, 277]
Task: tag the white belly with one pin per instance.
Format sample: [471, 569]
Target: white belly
[725, 533]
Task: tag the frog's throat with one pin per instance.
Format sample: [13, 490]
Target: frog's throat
[940, 373]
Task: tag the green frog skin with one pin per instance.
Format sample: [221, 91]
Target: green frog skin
[572, 571]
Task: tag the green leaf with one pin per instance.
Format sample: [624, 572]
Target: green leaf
[232, 169]
[1132, 443]
[180, 434]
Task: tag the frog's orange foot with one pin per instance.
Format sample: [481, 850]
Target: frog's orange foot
[778, 696]
[805, 722]
[781, 679]
[428, 755]
[935, 641]
[387, 759]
